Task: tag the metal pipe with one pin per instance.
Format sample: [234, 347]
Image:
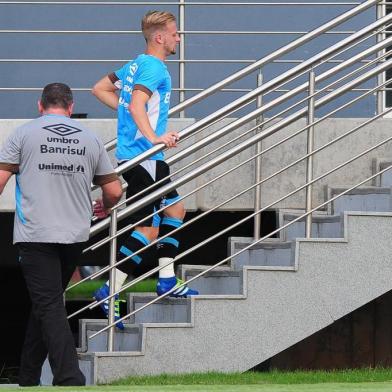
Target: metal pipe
[190, 61]
[129, 227]
[265, 88]
[262, 181]
[310, 147]
[182, 32]
[235, 150]
[381, 96]
[321, 77]
[198, 3]
[181, 71]
[259, 147]
[245, 248]
[265, 60]
[94, 304]
[112, 277]
[247, 98]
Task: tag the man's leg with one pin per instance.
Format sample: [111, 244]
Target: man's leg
[168, 247]
[41, 267]
[34, 353]
[138, 178]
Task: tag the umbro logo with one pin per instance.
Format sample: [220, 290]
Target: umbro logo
[62, 129]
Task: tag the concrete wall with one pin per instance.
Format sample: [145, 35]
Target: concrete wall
[272, 161]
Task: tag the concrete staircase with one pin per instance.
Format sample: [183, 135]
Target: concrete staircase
[267, 299]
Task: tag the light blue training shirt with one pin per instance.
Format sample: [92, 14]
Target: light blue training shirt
[149, 73]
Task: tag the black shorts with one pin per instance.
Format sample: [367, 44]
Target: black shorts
[141, 177]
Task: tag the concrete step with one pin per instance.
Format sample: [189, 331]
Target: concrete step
[223, 282]
[269, 253]
[369, 199]
[384, 179]
[166, 310]
[323, 225]
[127, 340]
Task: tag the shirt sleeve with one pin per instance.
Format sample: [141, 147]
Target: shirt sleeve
[149, 75]
[10, 153]
[119, 75]
[104, 172]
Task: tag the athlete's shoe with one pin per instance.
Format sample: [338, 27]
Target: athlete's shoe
[166, 284]
[102, 293]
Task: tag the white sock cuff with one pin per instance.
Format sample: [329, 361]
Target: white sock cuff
[121, 277]
[168, 271]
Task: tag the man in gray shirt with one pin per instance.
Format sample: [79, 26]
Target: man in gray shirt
[55, 160]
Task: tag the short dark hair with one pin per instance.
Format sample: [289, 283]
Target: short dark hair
[56, 95]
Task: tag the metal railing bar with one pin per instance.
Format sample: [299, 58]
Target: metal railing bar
[265, 60]
[266, 86]
[317, 121]
[228, 154]
[252, 244]
[111, 144]
[246, 90]
[186, 61]
[241, 146]
[237, 195]
[198, 3]
[211, 32]
[326, 89]
[33, 89]
[239, 122]
[262, 181]
[149, 273]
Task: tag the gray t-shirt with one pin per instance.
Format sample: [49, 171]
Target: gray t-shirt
[55, 160]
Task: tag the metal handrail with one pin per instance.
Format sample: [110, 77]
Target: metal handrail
[278, 81]
[153, 271]
[320, 78]
[319, 120]
[111, 3]
[105, 269]
[324, 100]
[207, 32]
[176, 183]
[265, 237]
[258, 64]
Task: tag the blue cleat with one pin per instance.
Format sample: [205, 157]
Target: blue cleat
[165, 284]
[103, 293]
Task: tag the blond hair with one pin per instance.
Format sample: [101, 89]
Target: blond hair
[155, 20]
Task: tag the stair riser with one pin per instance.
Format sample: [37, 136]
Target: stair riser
[161, 313]
[319, 230]
[218, 285]
[263, 257]
[122, 341]
[369, 203]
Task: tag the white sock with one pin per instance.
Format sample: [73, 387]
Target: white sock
[168, 271]
[121, 277]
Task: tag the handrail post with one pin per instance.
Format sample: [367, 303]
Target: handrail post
[112, 277]
[309, 161]
[381, 94]
[259, 146]
[181, 70]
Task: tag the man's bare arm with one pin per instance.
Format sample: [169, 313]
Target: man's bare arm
[4, 177]
[137, 108]
[111, 193]
[105, 91]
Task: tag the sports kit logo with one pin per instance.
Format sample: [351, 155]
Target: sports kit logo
[62, 129]
[54, 167]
